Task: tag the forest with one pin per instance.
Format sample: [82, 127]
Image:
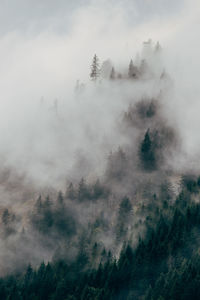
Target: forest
[131, 232]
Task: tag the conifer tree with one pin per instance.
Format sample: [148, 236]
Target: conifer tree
[95, 69]
[147, 155]
[71, 193]
[112, 74]
[130, 69]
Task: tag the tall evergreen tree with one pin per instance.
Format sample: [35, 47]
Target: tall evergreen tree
[71, 193]
[112, 74]
[147, 153]
[132, 70]
[95, 69]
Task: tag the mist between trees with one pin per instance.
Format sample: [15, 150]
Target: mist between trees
[102, 193]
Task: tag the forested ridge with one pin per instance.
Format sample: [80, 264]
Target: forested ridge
[165, 264]
[131, 232]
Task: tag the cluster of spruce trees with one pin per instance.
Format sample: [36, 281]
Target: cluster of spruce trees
[137, 69]
[131, 234]
[165, 264]
[159, 258]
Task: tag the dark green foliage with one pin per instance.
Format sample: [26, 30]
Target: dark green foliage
[146, 109]
[101, 245]
[53, 218]
[164, 265]
[190, 183]
[147, 153]
[83, 191]
[71, 193]
[5, 217]
[99, 191]
[9, 222]
[141, 113]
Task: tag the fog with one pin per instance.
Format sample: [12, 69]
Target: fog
[52, 134]
[45, 61]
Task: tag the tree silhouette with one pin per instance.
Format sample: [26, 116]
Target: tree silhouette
[95, 69]
[147, 153]
[112, 74]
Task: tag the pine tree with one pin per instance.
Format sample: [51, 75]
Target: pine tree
[147, 155]
[112, 74]
[6, 217]
[71, 193]
[60, 198]
[132, 70]
[95, 69]
[83, 191]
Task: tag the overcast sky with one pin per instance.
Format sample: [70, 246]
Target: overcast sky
[39, 15]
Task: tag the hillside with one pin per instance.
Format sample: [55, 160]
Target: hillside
[125, 223]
